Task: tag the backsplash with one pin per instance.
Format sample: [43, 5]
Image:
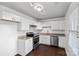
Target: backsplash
[22, 32]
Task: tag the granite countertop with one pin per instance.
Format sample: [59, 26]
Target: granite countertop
[56, 34]
[24, 37]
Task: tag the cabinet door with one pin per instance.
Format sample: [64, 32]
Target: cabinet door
[21, 46]
[44, 39]
[28, 45]
[62, 41]
[41, 39]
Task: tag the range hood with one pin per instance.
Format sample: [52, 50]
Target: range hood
[46, 29]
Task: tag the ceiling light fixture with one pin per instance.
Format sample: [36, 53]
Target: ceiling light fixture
[43, 12]
[38, 7]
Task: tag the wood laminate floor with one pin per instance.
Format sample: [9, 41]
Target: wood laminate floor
[44, 50]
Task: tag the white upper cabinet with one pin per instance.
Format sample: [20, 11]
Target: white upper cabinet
[26, 22]
[9, 16]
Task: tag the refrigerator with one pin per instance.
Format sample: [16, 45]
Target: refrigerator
[8, 38]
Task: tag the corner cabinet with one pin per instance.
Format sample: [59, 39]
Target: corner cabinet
[8, 16]
[25, 46]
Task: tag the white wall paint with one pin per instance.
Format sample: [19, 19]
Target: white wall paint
[73, 42]
[8, 38]
[69, 48]
[71, 8]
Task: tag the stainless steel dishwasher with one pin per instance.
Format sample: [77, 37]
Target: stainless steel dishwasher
[54, 40]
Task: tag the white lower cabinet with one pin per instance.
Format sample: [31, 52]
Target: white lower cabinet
[28, 46]
[44, 39]
[62, 41]
[25, 46]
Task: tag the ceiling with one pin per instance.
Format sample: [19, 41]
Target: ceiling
[53, 9]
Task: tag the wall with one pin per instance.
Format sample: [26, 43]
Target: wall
[69, 48]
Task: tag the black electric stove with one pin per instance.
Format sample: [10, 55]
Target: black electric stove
[35, 38]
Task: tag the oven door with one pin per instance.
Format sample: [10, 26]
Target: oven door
[36, 41]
